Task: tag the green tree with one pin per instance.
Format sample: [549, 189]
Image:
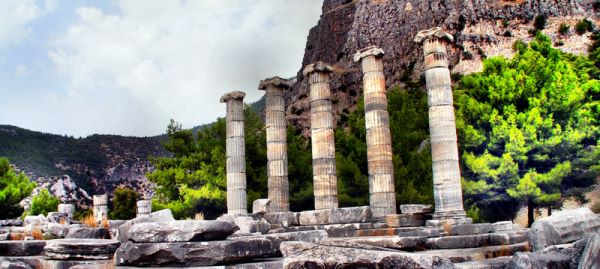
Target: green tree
[42, 203]
[124, 204]
[521, 122]
[13, 188]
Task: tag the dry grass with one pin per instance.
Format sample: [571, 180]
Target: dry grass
[105, 223]
[504, 251]
[447, 227]
[63, 221]
[17, 236]
[199, 216]
[37, 234]
[89, 221]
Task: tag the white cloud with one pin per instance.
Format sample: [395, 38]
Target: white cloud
[20, 71]
[129, 73]
[15, 15]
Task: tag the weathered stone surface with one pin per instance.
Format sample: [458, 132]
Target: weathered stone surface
[4, 236]
[60, 230]
[181, 231]
[35, 220]
[307, 255]
[534, 260]
[335, 216]
[194, 253]
[573, 250]
[590, 257]
[266, 264]
[479, 240]
[503, 226]
[88, 232]
[115, 223]
[57, 217]
[314, 236]
[416, 208]
[248, 225]
[84, 249]
[402, 231]
[494, 263]
[158, 216]
[284, 218]
[11, 222]
[470, 229]
[261, 206]
[21, 248]
[563, 227]
[7, 264]
[236, 154]
[392, 242]
[405, 220]
[479, 253]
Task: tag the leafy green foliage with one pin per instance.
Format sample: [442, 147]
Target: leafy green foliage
[42, 203]
[564, 29]
[124, 204]
[527, 128]
[13, 188]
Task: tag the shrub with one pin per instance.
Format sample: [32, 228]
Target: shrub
[14, 187]
[564, 29]
[43, 203]
[124, 204]
[507, 33]
[596, 207]
[584, 26]
[540, 22]
[467, 55]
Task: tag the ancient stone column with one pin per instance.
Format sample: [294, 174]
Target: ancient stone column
[144, 207]
[322, 136]
[442, 128]
[68, 209]
[100, 207]
[379, 141]
[236, 154]
[277, 167]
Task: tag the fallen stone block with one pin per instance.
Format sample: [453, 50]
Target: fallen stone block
[391, 242]
[335, 216]
[35, 220]
[416, 208]
[284, 218]
[307, 255]
[470, 229]
[314, 236]
[181, 231]
[249, 225]
[475, 254]
[261, 206]
[115, 223]
[60, 230]
[22, 247]
[194, 253]
[158, 216]
[563, 227]
[494, 263]
[590, 258]
[503, 226]
[475, 241]
[56, 217]
[88, 232]
[573, 250]
[81, 249]
[266, 264]
[11, 222]
[406, 220]
[7, 264]
[535, 260]
[345, 230]
[402, 232]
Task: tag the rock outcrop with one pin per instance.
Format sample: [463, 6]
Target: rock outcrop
[478, 27]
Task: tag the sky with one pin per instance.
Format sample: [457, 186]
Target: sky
[128, 66]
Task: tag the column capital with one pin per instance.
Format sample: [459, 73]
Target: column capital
[368, 51]
[274, 82]
[435, 32]
[236, 95]
[317, 67]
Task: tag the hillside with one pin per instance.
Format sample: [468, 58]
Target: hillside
[481, 28]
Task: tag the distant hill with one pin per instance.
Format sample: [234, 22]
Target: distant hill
[96, 164]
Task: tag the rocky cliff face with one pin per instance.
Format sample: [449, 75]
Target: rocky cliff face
[481, 28]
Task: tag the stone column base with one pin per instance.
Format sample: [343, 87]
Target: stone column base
[449, 217]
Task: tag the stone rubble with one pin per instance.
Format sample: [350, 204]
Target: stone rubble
[81, 249]
[181, 231]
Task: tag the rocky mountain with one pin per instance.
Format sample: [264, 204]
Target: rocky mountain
[481, 29]
[76, 168]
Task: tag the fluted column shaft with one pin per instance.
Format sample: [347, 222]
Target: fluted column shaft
[379, 142]
[442, 126]
[277, 165]
[236, 154]
[322, 136]
[144, 207]
[100, 207]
